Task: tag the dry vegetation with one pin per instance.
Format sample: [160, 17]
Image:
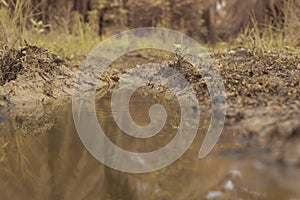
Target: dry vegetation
[68, 37]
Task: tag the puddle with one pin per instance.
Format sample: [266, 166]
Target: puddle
[57, 166]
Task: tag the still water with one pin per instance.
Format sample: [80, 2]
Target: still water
[56, 165]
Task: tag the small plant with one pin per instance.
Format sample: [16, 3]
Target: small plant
[180, 55]
[39, 26]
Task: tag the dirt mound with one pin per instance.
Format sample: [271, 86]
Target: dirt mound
[28, 59]
[34, 82]
[32, 73]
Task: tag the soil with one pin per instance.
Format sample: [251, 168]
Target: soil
[262, 89]
[263, 97]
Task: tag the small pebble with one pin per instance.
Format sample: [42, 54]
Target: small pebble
[214, 195]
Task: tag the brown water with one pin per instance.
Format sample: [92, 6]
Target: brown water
[57, 166]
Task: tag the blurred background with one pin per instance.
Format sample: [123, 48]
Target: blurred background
[69, 24]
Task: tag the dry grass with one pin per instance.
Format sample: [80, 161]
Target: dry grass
[274, 37]
[70, 38]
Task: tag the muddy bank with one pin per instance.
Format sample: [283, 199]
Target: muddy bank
[263, 100]
[263, 97]
[263, 92]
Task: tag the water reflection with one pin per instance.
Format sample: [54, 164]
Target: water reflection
[57, 166]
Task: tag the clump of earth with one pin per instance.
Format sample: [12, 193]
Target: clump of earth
[32, 73]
